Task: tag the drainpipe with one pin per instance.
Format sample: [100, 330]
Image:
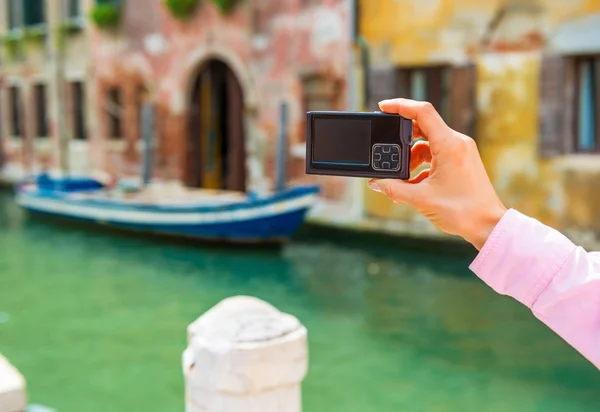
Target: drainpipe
[356, 100]
[56, 46]
[282, 152]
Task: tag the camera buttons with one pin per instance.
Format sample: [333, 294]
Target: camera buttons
[386, 157]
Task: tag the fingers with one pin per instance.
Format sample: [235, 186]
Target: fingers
[420, 153]
[399, 191]
[423, 174]
[431, 125]
[417, 133]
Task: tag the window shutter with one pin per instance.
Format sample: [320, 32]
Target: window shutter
[403, 83]
[382, 85]
[3, 116]
[553, 110]
[597, 85]
[463, 97]
[568, 105]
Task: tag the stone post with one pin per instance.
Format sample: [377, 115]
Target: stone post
[61, 133]
[12, 388]
[244, 355]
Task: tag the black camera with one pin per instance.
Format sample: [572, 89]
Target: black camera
[358, 144]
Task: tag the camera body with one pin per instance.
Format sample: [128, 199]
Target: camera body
[358, 144]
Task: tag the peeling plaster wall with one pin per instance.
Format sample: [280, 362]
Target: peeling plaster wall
[560, 191]
[166, 54]
[32, 153]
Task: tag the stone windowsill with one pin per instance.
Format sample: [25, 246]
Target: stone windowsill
[117, 145]
[579, 162]
[42, 144]
[79, 146]
[298, 151]
[15, 142]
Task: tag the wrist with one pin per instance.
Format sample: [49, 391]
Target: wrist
[483, 226]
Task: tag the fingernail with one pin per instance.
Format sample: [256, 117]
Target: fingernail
[374, 186]
[382, 102]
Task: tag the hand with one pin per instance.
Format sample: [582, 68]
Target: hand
[455, 193]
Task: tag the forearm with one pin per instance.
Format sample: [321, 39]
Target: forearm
[545, 271]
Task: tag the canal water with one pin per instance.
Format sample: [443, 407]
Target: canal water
[97, 322]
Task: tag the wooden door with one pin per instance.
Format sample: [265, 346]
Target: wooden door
[236, 154]
[211, 133]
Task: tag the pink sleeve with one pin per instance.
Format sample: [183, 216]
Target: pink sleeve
[542, 269]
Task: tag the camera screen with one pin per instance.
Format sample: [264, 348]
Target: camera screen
[342, 141]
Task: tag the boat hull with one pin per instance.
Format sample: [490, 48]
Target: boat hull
[267, 220]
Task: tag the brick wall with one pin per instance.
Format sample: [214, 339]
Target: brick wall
[269, 45]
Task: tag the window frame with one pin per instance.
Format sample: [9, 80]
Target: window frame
[78, 110]
[15, 107]
[575, 103]
[442, 78]
[17, 18]
[114, 112]
[331, 95]
[40, 110]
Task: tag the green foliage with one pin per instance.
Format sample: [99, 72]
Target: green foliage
[224, 5]
[106, 15]
[71, 26]
[34, 36]
[181, 9]
[12, 47]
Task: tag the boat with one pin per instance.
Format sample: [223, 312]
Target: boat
[152, 207]
[160, 209]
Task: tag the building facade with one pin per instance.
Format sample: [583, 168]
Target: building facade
[45, 45]
[521, 77]
[219, 79]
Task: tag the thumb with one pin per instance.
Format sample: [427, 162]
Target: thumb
[399, 191]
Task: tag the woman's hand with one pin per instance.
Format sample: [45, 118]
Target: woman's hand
[455, 193]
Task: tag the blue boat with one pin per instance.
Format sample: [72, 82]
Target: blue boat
[204, 214]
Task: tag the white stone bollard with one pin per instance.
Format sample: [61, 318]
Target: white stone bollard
[13, 397]
[244, 355]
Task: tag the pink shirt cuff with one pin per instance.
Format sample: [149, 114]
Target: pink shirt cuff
[521, 257]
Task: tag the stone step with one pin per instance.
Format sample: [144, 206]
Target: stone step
[13, 397]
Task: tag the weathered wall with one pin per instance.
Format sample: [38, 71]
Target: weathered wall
[267, 51]
[507, 51]
[32, 153]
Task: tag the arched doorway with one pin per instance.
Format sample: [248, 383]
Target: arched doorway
[216, 144]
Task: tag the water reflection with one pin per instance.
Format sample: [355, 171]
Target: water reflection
[389, 329]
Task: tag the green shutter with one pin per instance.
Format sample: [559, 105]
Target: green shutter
[382, 85]
[463, 106]
[33, 12]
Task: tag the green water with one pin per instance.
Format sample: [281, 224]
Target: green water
[97, 323]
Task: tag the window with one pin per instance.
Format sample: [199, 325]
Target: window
[78, 107]
[14, 97]
[71, 8]
[140, 99]
[33, 12]
[431, 84]
[569, 105]
[320, 92]
[25, 13]
[14, 13]
[587, 136]
[114, 113]
[451, 89]
[41, 119]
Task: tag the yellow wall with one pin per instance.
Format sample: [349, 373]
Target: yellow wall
[424, 31]
[562, 191]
